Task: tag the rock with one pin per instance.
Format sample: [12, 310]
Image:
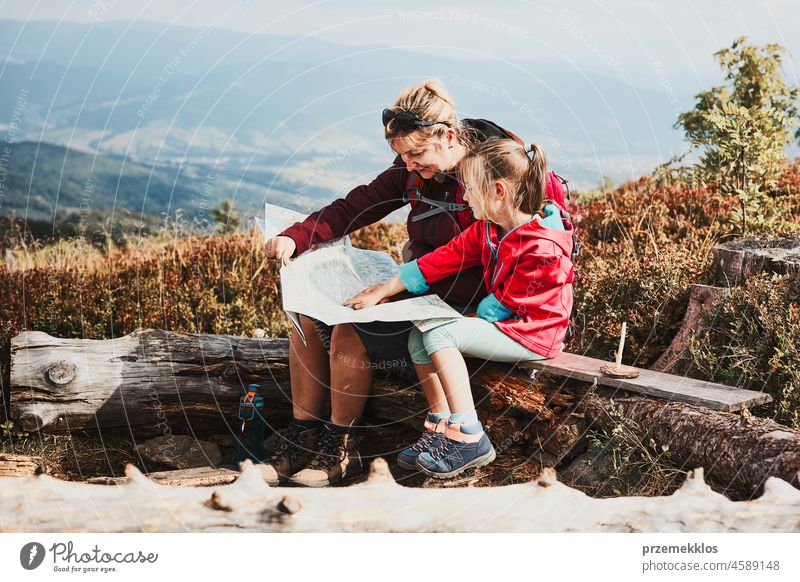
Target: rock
[590, 472]
[180, 452]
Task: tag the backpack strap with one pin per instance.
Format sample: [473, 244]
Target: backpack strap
[413, 194]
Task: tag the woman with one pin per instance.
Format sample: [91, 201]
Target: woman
[424, 130]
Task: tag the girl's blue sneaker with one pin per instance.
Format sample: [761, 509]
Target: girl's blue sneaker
[434, 432]
[456, 453]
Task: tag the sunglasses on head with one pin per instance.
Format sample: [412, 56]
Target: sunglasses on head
[406, 120]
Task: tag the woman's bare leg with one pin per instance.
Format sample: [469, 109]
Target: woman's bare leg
[351, 375]
[309, 372]
[432, 387]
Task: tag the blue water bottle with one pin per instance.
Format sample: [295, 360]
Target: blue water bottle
[250, 444]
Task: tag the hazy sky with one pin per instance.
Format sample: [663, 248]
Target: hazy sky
[644, 40]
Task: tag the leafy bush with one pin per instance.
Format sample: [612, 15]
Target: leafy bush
[643, 246]
[752, 340]
[742, 129]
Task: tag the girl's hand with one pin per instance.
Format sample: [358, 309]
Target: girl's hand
[378, 293]
[368, 297]
[281, 248]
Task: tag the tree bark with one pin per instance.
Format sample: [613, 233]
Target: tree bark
[736, 260]
[44, 504]
[153, 383]
[738, 452]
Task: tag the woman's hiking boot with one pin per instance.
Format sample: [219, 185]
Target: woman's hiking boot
[337, 458]
[434, 432]
[294, 447]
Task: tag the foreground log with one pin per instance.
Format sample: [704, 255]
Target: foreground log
[44, 504]
[20, 465]
[739, 452]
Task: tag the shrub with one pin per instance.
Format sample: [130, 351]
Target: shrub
[752, 340]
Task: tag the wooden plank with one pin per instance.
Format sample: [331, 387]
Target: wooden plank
[194, 477]
[652, 383]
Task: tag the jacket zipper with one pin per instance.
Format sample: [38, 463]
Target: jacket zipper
[496, 272]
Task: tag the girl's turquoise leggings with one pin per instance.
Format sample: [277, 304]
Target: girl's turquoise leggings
[472, 336]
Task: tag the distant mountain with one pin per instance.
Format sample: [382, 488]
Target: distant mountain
[300, 112]
[49, 182]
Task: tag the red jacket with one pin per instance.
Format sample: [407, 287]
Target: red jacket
[370, 203]
[528, 275]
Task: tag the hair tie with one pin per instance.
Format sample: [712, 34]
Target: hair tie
[529, 151]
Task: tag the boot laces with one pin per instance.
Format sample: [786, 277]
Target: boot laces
[288, 443]
[331, 450]
[428, 440]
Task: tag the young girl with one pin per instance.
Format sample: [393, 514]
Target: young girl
[524, 248]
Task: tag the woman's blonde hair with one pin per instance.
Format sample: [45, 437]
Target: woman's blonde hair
[505, 159]
[430, 101]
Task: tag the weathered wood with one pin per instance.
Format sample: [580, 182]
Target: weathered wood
[652, 383]
[529, 413]
[194, 477]
[150, 382]
[736, 260]
[44, 504]
[701, 300]
[154, 383]
[20, 465]
[739, 452]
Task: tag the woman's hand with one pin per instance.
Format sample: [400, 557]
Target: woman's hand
[375, 294]
[281, 248]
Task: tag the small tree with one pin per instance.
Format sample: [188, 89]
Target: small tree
[743, 127]
[227, 219]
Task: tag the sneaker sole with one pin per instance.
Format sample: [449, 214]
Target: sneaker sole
[474, 464]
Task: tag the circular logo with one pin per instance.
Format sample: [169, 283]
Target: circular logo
[31, 555]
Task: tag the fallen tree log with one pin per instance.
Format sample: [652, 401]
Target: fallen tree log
[193, 393]
[738, 452]
[153, 382]
[44, 504]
